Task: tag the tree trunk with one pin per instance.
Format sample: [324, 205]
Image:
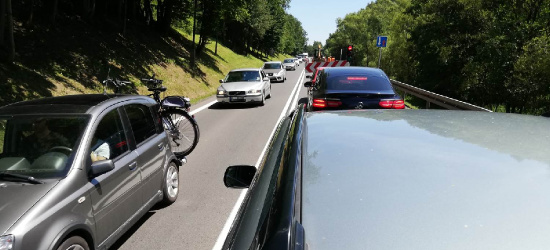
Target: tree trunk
[31, 11]
[125, 6]
[54, 11]
[11, 41]
[193, 55]
[2, 21]
[148, 11]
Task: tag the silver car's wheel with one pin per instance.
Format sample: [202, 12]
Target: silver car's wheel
[171, 184]
[74, 243]
[262, 103]
[269, 95]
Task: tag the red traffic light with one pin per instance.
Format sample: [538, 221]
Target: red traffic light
[350, 47]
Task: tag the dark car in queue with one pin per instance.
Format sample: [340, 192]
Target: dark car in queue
[397, 179]
[76, 172]
[352, 88]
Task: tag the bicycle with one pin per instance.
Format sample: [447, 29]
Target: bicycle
[182, 128]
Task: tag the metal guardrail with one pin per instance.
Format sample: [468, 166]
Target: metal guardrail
[431, 97]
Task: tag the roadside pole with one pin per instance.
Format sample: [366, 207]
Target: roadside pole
[340, 54]
[381, 42]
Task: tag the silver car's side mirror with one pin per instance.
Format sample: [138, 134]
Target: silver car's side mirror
[100, 167]
[266, 78]
[221, 81]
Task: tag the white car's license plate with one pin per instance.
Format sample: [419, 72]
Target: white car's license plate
[236, 99]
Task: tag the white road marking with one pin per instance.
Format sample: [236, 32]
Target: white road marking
[202, 107]
[291, 99]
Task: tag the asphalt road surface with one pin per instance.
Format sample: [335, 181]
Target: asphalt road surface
[230, 135]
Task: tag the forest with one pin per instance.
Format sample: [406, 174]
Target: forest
[262, 26]
[491, 53]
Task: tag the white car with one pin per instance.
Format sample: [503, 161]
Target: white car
[275, 71]
[290, 64]
[244, 86]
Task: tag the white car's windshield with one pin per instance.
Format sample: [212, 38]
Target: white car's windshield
[38, 146]
[243, 76]
[272, 66]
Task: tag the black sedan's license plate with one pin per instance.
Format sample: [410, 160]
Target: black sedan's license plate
[236, 99]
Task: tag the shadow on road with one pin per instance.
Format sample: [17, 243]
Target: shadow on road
[219, 105]
[132, 230]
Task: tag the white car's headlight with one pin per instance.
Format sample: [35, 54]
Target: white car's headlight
[6, 242]
[254, 91]
[221, 92]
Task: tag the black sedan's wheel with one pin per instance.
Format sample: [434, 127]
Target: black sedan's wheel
[74, 243]
[171, 184]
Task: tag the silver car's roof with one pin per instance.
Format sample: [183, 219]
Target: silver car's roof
[424, 179]
[272, 62]
[245, 69]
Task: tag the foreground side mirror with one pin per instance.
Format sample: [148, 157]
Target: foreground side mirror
[266, 78]
[307, 84]
[100, 167]
[239, 176]
[221, 81]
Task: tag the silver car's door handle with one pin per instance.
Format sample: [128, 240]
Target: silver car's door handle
[132, 165]
[161, 146]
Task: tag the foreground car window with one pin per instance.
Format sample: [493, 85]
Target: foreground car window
[242, 76]
[109, 140]
[39, 146]
[370, 83]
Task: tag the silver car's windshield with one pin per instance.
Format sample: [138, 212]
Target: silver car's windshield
[272, 66]
[243, 76]
[289, 61]
[39, 146]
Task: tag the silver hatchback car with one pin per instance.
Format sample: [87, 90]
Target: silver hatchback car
[76, 172]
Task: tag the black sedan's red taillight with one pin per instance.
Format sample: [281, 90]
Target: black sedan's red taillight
[392, 104]
[322, 103]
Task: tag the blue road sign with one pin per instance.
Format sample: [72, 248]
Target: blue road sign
[381, 41]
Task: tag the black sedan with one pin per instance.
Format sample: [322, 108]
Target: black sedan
[352, 88]
[398, 179]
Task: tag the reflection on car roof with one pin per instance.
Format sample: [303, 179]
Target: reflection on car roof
[435, 178]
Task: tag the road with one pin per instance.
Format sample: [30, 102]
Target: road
[230, 135]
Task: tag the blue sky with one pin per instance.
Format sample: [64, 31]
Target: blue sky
[318, 17]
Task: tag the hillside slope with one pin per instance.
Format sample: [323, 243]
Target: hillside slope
[74, 57]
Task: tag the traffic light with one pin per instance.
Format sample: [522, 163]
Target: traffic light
[350, 53]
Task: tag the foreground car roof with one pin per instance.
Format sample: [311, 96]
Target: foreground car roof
[425, 179]
[70, 104]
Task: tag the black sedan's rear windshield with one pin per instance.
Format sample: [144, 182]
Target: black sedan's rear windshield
[358, 83]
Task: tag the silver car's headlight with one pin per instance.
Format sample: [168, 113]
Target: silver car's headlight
[6, 242]
[254, 91]
[221, 92]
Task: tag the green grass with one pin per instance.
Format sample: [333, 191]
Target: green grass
[75, 57]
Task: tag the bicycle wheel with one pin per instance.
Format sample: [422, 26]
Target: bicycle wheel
[182, 130]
